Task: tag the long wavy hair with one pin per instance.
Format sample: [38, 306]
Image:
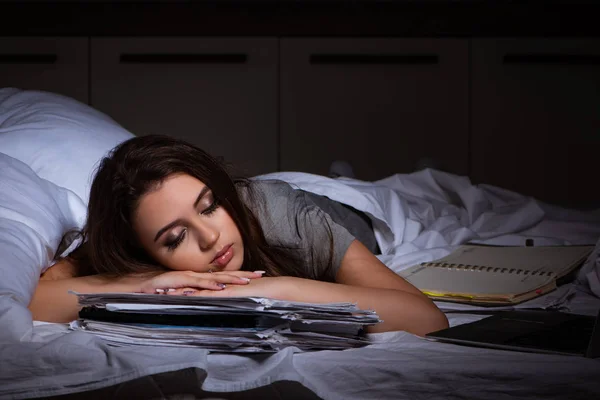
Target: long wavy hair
[139, 165]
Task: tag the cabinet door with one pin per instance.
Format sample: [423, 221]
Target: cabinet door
[217, 93]
[58, 65]
[536, 117]
[380, 104]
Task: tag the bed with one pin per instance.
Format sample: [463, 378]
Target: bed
[49, 145]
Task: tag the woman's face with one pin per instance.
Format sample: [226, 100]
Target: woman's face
[183, 227]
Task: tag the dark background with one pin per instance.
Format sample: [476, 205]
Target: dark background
[505, 92]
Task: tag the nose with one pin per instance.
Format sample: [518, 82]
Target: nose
[208, 235]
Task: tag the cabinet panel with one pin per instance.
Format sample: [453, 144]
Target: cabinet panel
[536, 117]
[380, 104]
[51, 64]
[218, 93]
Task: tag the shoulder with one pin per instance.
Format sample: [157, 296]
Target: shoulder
[273, 202]
[63, 269]
[290, 218]
[268, 188]
[291, 214]
[270, 196]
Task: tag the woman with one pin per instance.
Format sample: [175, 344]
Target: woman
[165, 217]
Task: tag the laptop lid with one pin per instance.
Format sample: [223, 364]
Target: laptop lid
[593, 350]
[540, 331]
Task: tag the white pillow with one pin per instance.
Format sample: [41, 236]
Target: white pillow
[61, 139]
[34, 215]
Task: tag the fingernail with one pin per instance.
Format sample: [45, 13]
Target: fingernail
[160, 290]
[170, 290]
[259, 272]
[221, 285]
[188, 292]
[245, 279]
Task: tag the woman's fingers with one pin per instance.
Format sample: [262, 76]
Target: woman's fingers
[198, 284]
[190, 291]
[197, 293]
[227, 279]
[187, 291]
[242, 274]
[173, 282]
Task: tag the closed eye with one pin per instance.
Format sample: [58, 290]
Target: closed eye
[173, 244]
[203, 195]
[212, 208]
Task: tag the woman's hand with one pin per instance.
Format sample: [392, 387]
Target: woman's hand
[398, 309]
[186, 282]
[52, 301]
[273, 287]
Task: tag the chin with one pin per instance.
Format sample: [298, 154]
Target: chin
[235, 264]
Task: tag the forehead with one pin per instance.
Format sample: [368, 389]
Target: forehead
[176, 190]
[177, 182]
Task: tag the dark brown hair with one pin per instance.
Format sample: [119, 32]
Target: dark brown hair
[139, 165]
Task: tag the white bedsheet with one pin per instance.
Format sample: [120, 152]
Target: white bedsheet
[425, 215]
[417, 217]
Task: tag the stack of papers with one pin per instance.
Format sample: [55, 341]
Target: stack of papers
[226, 324]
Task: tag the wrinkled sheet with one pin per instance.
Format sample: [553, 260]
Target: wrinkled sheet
[417, 217]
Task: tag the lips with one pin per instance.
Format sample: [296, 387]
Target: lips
[223, 257]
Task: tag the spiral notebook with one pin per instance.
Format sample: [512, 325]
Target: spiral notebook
[496, 275]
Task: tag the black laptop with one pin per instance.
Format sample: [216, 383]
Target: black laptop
[539, 331]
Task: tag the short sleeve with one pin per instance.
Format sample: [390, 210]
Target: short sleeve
[291, 219]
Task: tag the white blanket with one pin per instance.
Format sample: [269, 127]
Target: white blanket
[417, 217]
[425, 215]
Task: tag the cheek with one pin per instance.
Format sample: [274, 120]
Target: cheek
[235, 232]
[180, 259]
[232, 228]
[185, 260]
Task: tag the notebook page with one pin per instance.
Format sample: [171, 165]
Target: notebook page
[473, 282]
[544, 260]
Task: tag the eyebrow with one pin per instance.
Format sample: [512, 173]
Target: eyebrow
[202, 193]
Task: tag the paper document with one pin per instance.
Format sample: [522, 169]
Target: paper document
[224, 324]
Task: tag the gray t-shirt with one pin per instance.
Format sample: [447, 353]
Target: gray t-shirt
[290, 218]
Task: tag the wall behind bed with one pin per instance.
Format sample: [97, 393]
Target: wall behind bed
[508, 94]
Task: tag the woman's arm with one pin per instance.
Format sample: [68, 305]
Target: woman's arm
[398, 303]
[361, 279]
[399, 310]
[52, 301]
[365, 280]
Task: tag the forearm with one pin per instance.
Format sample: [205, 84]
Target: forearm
[52, 301]
[399, 310]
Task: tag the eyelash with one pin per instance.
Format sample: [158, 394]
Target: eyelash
[212, 208]
[174, 244]
[209, 210]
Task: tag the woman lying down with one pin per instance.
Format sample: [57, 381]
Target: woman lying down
[165, 217]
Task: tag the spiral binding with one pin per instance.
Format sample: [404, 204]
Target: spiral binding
[483, 268]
